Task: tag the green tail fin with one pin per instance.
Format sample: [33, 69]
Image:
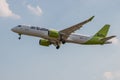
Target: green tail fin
[103, 32]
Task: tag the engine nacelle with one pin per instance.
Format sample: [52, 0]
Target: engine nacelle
[44, 42]
[53, 34]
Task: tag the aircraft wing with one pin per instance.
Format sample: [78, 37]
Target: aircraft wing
[66, 32]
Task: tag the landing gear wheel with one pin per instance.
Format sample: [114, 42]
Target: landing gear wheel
[63, 42]
[57, 47]
[19, 38]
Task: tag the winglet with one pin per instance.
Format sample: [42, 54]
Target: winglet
[86, 21]
[91, 18]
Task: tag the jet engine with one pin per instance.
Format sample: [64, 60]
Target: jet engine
[44, 42]
[53, 34]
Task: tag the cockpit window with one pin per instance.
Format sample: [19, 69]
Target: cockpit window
[19, 25]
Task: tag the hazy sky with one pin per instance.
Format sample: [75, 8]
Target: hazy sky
[25, 59]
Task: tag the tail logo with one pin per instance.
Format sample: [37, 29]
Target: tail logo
[100, 35]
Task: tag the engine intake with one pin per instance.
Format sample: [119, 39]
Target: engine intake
[44, 42]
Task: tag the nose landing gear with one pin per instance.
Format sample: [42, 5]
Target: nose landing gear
[19, 36]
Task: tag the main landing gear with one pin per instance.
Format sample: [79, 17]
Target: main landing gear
[57, 45]
[19, 36]
[62, 40]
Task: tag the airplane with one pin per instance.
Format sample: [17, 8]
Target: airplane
[50, 36]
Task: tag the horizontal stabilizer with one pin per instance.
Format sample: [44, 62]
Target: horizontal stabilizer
[107, 38]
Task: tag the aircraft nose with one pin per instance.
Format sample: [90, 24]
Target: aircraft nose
[13, 29]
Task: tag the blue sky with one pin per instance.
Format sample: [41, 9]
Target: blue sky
[25, 59]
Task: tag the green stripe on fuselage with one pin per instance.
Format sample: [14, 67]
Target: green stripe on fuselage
[93, 41]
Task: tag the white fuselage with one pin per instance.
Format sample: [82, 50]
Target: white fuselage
[43, 33]
[77, 38]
